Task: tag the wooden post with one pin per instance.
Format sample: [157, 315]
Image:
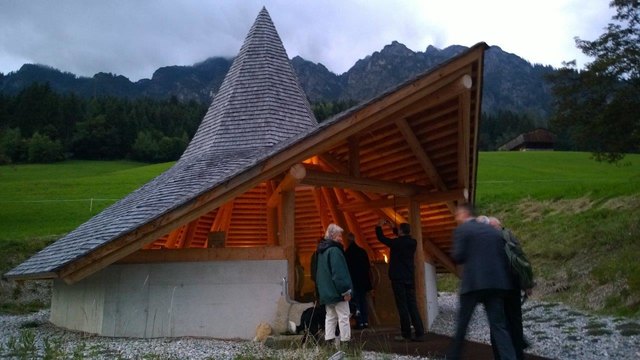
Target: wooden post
[287, 235]
[416, 231]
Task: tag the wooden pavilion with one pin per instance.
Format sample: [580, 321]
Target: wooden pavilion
[212, 237]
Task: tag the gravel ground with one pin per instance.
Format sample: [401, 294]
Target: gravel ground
[553, 330]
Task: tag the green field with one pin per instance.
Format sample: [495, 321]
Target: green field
[578, 219]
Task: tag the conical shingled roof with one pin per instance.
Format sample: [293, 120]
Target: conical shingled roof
[260, 102]
[259, 105]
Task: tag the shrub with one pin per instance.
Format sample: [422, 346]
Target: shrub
[44, 150]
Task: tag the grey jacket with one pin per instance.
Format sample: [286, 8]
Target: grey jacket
[480, 248]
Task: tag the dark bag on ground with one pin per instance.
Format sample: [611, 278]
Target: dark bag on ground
[312, 322]
[520, 265]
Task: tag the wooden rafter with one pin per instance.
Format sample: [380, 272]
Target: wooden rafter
[342, 181]
[291, 179]
[332, 202]
[428, 198]
[420, 154]
[354, 156]
[354, 226]
[317, 197]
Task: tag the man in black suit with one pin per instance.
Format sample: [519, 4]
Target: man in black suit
[359, 268]
[401, 273]
[486, 279]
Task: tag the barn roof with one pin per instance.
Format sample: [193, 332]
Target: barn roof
[418, 139]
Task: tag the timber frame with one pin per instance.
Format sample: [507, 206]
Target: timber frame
[413, 148]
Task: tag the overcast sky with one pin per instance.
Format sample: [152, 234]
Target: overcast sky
[135, 37]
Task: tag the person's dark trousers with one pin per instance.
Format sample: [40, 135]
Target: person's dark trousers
[513, 312]
[405, 295]
[360, 301]
[494, 304]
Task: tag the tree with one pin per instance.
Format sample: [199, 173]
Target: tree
[598, 106]
[44, 150]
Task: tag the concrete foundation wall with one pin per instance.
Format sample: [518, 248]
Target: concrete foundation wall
[225, 299]
[431, 287]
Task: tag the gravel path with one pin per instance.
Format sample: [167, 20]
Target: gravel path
[553, 330]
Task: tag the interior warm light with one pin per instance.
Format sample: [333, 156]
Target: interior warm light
[386, 258]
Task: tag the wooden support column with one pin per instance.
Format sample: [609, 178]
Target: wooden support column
[287, 235]
[416, 231]
[272, 218]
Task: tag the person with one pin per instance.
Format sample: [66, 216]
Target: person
[334, 284]
[512, 305]
[401, 274]
[359, 268]
[486, 279]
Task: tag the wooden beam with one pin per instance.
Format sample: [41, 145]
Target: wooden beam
[332, 203]
[214, 254]
[465, 121]
[421, 294]
[287, 235]
[442, 258]
[292, 178]
[420, 90]
[317, 197]
[420, 154]
[272, 218]
[341, 181]
[173, 237]
[188, 233]
[354, 156]
[353, 224]
[428, 198]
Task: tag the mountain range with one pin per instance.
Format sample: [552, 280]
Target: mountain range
[510, 82]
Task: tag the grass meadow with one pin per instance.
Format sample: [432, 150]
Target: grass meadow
[579, 220]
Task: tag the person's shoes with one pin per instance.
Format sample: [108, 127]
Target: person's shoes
[418, 338]
[366, 325]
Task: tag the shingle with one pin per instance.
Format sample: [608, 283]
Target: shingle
[259, 104]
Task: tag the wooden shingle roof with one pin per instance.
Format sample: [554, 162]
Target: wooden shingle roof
[418, 140]
[260, 104]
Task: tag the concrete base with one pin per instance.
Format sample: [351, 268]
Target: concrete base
[225, 299]
[431, 287]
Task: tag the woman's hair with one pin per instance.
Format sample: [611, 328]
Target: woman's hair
[332, 231]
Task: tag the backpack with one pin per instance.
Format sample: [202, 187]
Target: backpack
[520, 265]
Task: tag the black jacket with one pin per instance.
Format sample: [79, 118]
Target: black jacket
[358, 262]
[480, 248]
[403, 249]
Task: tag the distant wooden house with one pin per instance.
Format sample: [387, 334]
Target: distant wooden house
[208, 248]
[538, 139]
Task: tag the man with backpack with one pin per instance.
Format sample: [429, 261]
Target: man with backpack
[524, 277]
[486, 279]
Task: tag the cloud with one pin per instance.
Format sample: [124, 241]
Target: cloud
[134, 38]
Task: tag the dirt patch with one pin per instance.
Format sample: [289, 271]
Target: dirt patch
[24, 296]
[622, 203]
[535, 210]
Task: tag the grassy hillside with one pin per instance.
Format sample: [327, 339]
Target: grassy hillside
[578, 219]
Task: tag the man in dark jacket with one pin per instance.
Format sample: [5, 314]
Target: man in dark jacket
[401, 273]
[334, 284]
[486, 279]
[359, 268]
